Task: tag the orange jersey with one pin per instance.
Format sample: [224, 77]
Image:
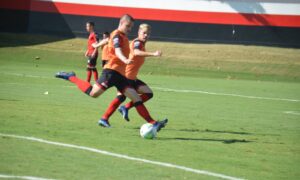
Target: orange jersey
[93, 38]
[117, 40]
[133, 68]
[104, 52]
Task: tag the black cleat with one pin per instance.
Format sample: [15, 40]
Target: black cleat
[160, 124]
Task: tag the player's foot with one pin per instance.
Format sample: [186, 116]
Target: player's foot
[160, 124]
[65, 75]
[124, 111]
[104, 123]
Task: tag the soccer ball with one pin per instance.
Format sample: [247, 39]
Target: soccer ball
[147, 131]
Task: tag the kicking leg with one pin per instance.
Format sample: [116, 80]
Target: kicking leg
[142, 110]
[84, 86]
[146, 94]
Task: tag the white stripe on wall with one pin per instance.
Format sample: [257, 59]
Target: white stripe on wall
[279, 7]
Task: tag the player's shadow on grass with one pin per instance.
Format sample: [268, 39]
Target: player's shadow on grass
[205, 131]
[225, 141]
[210, 131]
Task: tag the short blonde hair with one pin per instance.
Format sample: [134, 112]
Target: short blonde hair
[146, 27]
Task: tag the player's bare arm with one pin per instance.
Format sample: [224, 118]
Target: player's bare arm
[138, 52]
[101, 43]
[86, 53]
[121, 56]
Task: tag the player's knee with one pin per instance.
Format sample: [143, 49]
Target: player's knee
[121, 98]
[149, 95]
[138, 103]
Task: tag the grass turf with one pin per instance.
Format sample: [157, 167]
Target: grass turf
[236, 136]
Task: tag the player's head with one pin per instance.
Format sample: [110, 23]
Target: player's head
[126, 23]
[90, 26]
[144, 32]
[105, 35]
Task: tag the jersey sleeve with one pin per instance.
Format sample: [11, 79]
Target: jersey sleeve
[137, 45]
[117, 41]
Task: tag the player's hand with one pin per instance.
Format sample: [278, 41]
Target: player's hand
[93, 55]
[128, 61]
[157, 53]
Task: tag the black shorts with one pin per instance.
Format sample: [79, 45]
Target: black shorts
[136, 83]
[92, 61]
[110, 78]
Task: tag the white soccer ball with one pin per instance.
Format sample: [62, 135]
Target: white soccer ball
[147, 131]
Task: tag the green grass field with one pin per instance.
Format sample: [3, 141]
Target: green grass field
[232, 110]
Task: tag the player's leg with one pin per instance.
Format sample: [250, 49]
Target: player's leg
[90, 66]
[95, 73]
[119, 99]
[142, 110]
[88, 74]
[93, 62]
[92, 91]
[145, 93]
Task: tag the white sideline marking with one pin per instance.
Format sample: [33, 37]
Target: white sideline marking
[197, 171]
[181, 91]
[22, 177]
[223, 94]
[292, 112]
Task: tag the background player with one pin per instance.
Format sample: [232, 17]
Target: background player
[91, 52]
[104, 46]
[137, 55]
[105, 49]
[113, 73]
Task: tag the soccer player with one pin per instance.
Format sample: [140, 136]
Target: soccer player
[91, 52]
[113, 73]
[137, 55]
[104, 46]
[105, 49]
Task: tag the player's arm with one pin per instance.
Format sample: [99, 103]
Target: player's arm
[118, 50]
[101, 43]
[86, 53]
[138, 52]
[95, 49]
[120, 55]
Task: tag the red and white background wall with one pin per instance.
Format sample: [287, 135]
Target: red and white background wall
[269, 22]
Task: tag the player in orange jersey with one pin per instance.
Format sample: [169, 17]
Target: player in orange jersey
[137, 55]
[104, 46]
[113, 73]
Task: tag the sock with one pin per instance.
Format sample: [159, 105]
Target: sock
[95, 72]
[113, 106]
[145, 97]
[81, 84]
[89, 75]
[141, 109]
